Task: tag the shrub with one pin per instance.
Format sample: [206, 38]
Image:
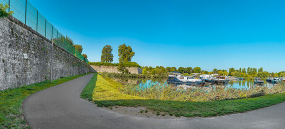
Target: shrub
[3, 13]
[127, 64]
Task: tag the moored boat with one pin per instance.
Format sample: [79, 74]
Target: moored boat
[187, 80]
[221, 79]
[270, 79]
[258, 80]
[276, 80]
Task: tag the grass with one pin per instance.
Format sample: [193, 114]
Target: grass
[104, 89]
[163, 91]
[11, 113]
[111, 75]
[201, 109]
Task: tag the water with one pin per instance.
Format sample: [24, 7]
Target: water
[147, 83]
[246, 84]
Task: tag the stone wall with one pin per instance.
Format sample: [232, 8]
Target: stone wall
[114, 69]
[26, 57]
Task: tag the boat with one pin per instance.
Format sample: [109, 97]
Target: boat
[257, 80]
[221, 79]
[187, 80]
[240, 78]
[269, 79]
[276, 80]
[207, 78]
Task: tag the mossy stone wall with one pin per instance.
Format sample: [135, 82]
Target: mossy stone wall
[25, 57]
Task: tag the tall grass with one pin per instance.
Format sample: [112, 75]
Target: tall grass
[108, 89]
[198, 94]
[163, 97]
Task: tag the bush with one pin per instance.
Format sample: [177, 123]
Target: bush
[3, 13]
[127, 64]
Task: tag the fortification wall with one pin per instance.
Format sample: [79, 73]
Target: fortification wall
[26, 57]
[114, 69]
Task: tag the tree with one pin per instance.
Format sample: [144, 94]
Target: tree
[174, 68]
[248, 70]
[149, 69]
[121, 67]
[254, 71]
[189, 70]
[243, 70]
[215, 70]
[144, 71]
[260, 70]
[181, 69]
[197, 70]
[225, 73]
[276, 75]
[168, 69]
[84, 55]
[153, 71]
[125, 53]
[78, 48]
[107, 55]
[220, 72]
[231, 70]
[162, 69]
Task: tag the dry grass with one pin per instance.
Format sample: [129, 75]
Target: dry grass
[198, 94]
[109, 90]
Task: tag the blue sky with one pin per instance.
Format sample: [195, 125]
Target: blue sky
[188, 33]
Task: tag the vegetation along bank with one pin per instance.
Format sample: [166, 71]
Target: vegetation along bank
[115, 94]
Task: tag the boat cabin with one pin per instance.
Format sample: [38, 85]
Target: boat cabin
[221, 77]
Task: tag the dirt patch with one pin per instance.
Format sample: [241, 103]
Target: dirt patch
[142, 112]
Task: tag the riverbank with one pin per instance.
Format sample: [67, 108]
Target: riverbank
[175, 108]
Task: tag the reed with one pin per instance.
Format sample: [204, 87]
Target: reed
[198, 94]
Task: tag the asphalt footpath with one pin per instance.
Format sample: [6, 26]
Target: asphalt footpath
[60, 107]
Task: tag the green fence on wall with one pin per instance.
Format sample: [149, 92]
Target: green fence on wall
[26, 13]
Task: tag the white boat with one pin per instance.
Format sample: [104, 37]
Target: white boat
[188, 80]
[221, 79]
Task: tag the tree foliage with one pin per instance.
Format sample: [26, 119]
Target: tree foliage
[125, 53]
[197, 70]
[128, 64]
[78, 48]
[107, 55]
[144, 71]
[215, 71]
[84, 55]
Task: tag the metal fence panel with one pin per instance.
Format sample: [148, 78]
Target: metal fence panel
[29, 15]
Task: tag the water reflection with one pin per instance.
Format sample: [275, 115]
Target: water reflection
[147, 83]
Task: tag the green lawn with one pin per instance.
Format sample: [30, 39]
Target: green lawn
[187, 108]
[11, 113]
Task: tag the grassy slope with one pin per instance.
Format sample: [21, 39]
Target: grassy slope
[100, 89]
[11, 114]
[186, 108]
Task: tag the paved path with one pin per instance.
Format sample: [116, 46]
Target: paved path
[60, 107]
